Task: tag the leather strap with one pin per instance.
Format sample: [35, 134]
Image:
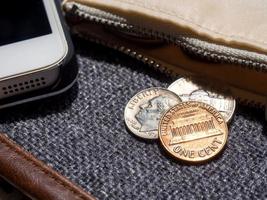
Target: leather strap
[33, 177]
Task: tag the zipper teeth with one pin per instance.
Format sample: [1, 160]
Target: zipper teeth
[188, 45]
[227, 51]
[154, 64]
[150, 62]
[96, 15]
[219, 58]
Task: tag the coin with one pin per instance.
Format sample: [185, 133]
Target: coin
[193, 131]
[188, 91]
[143, 112]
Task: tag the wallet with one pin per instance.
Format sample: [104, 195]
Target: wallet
[221, 45]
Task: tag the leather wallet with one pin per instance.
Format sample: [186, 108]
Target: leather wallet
[221, 44]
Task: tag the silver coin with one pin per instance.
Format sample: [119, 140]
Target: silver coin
[189, 91]
[143, 112]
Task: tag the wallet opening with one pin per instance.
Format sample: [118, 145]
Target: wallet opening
[232, 71]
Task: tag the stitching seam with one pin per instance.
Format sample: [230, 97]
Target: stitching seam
[41, 169]
[157, 9]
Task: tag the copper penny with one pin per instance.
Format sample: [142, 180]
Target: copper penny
[193, 131]
[144, 110]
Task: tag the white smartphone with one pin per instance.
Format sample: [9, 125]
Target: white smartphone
[33, 46]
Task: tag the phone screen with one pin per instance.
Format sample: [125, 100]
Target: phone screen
[22, 20]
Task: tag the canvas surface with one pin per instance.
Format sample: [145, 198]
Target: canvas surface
[82, 135]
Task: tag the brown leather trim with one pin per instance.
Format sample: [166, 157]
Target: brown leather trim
[33, 177]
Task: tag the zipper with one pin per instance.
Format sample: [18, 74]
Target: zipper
[134, 54]
[192, 46]
[197, 48]
[98, 16]
[221, 54]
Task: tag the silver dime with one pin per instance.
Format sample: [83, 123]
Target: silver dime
[143, 112]
[189, 91]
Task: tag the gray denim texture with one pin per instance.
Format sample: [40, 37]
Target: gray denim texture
[82, 135]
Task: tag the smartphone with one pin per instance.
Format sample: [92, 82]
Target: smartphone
[34, 48]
